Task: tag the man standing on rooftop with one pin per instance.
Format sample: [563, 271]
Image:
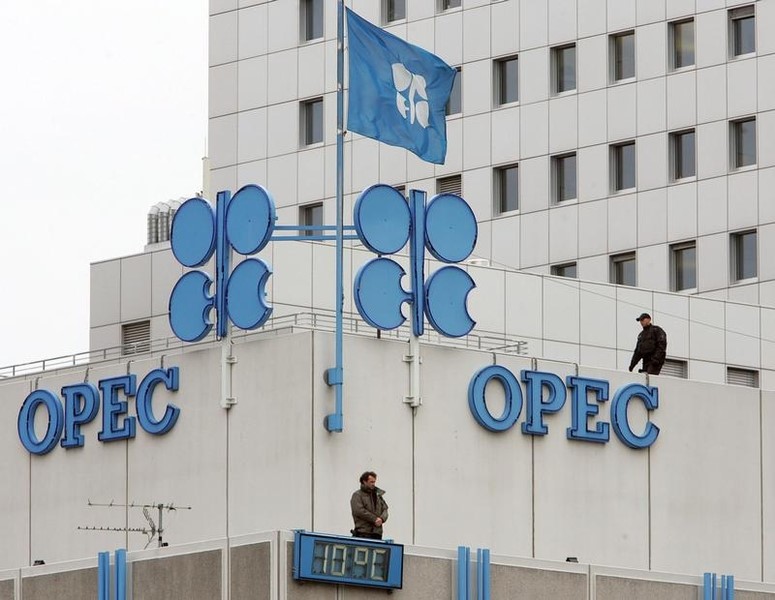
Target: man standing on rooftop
[651, 347]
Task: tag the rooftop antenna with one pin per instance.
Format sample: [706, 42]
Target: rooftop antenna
[150, 531]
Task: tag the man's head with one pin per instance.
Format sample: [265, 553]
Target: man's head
[644, 319]
[369, 479]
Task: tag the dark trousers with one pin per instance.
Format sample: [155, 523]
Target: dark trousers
[652, 367]
[364, 534]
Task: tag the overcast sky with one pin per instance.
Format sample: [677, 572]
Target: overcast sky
[102, 115]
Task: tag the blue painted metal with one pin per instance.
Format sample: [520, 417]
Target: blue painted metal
[334, 422]
[583, 410]
[447, 227]
[103, 576]
[535, 407]
[512, 406]
[709, 586]
[25, 424]
[82, 402]
[619, 423]
[463, 569]
[244, 222]
[727, 587]
[483, 573]
[119, 590]
[144, 401]
[113, 407]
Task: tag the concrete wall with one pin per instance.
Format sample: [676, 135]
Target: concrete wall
[268, 460]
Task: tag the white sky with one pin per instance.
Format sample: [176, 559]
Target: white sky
[103, 113]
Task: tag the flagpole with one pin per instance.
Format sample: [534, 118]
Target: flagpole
[335, 376]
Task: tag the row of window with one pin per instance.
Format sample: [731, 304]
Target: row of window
[683, 165]
[674, 367]
[683, 263]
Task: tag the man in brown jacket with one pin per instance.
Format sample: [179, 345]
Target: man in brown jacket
[369, 508]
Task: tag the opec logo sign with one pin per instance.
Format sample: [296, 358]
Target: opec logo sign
[384, 223]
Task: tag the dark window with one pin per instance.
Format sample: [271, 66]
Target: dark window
[623, 54]
[684, 266]
[674, 367]
[682, 39]
[506, 80]
[623, 269]
[683, 153]
[566, 270]
[395, 10]
[454, 104]
[743, 143]
[742, 22]
[450, 185]
[312, 121]
[311, 215]
[564, 176]
[564, 68]
[506, 188]
[744, 255]
[623, 159]
[312, 19]
[746, 377]
[447, 4]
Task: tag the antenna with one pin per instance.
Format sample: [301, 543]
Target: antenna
[150, 531]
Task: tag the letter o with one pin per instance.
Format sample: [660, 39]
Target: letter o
[26, 422]
[478, 406]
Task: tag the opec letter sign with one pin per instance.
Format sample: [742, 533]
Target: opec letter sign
[82, 403]
[537, 403]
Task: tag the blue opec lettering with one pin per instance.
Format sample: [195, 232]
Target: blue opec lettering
[446, 227]
[82, 403]
[545, 393]
[384, 222]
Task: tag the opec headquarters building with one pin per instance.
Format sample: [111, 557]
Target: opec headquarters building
[444, 291]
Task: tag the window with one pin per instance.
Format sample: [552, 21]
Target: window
[623, 166]
[506, 189]
[747, 377]
[623, 269]
[394, 10]
[564, 64]
[683, 266]
[623, 56]
[311, 215]
[454, 104]
[566, 270]
[450, 185]
[312, 121]
[447, 4]
[682, 43]
[506, 80]
[743, 141]
[135, 337]
[743, 254]
[682, 155]
[675, 368]
[311, 19]
[564, 177]
[742, 31]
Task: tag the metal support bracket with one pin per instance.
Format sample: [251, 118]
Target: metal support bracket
[414, 399]
[228, 360]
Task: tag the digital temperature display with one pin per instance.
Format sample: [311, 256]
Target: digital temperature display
[352, 561]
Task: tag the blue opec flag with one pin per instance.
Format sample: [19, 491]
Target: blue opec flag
[398, 91]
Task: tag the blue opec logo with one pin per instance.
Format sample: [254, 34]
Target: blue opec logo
[384, 222]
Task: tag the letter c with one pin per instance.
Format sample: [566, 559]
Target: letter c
[619, 422]
[145, 415]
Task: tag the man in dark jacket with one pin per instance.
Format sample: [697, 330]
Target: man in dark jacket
[369, 508]
[651, 347]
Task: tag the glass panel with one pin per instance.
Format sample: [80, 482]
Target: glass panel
[313, 122]
[312, 215]
[566, 68]
[745, 35]
[396, 10]
[508, 79]
[450, 4]
[745, 143]
[509, 188]
[745, 253]
[624, 157]
[683, 44]
[685, 268]
[313, 17]
[624, 56]
[684, 155]
[624, 271]
[565, 270]
[565, 177]
[454, 103]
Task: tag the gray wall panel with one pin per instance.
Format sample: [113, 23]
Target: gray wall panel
[6, 589]
[251, 572]
[519, 582]
[190, 576]
[69, 585]
[741, 595]
[615, 588]
[305, 590]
